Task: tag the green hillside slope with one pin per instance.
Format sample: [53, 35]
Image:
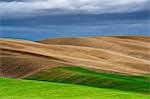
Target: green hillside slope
[28, 89]
[77, 75]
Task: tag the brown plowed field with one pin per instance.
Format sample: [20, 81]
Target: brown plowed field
[118, 54]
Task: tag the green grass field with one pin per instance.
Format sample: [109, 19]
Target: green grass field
[81, 76]
[30, 89]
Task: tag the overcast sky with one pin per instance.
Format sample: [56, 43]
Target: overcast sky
[39, 19]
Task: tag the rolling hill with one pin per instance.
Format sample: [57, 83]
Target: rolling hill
[82, 76]
[22, 89]
[111, 57]
[118, 62]
[135, 46]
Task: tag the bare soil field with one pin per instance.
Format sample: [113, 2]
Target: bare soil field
[118, 54]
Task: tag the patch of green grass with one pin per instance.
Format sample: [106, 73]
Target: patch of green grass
[81, 76]
[30, 89]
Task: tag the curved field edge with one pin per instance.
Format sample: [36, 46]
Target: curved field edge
[23, 89]
[82, 76]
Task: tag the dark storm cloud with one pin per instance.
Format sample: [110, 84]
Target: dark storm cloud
[39, 19]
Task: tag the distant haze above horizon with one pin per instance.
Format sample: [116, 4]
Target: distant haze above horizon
[40, 19]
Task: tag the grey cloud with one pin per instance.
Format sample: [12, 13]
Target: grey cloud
[36, 7]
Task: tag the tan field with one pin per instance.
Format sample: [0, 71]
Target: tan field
[128, 55]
